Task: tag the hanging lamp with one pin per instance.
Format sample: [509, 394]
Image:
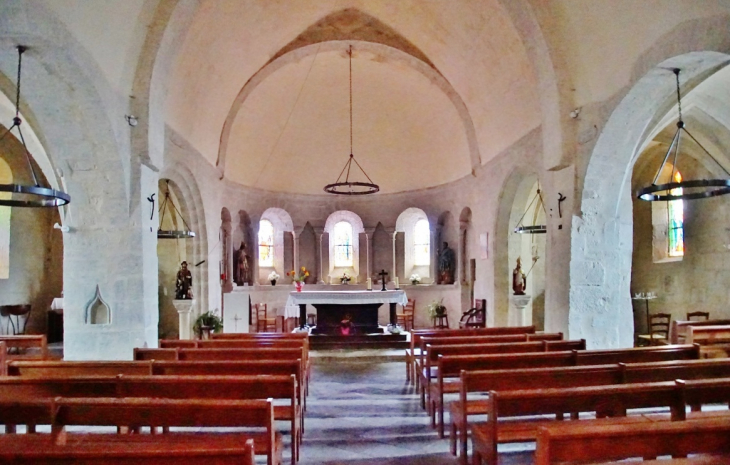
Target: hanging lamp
[173, 233]
[347, 187]
[28, 195]
[535, 228]
[678, 189]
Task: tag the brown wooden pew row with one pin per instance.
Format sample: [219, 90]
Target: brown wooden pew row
[38, 342]
[168, 387]
[433, 352]
[32, 448]
[563, 377]
[456, 340]
[605, 401]
[714, 340]
[576, 443]
[416, 334]
[450, 366]
[678, 328]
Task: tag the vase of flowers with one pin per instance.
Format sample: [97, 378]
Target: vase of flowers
[436, 308]
[415, 279]
[298, 278]
[273, 277]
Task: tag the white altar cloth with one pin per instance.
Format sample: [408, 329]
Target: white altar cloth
[289, 311]
[347, 297]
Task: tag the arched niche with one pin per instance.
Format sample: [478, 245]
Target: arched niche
[447, 233]
[308, 251]
[335, 272]
[242, 232]
[283, 244]
[226, 250]
[405, 225]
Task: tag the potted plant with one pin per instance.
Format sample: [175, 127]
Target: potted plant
[298, 278]
[208, 322]
[436, 308]
[415, 279]
[273, 277]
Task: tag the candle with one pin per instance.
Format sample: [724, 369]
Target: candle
[396, 283]
[370, 284]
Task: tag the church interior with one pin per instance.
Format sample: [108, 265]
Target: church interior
[559, 165]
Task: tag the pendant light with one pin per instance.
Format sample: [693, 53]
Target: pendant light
[676, 188]
[347, 187]
[28, 195]
[534, 228]
[172, 233]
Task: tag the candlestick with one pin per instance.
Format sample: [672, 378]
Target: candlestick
[396, 283]
[370, 284]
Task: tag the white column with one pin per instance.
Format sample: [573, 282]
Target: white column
[519, 312]
[319, 232]
[184, 308]
[369, 232]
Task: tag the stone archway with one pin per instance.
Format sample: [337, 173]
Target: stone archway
[601, 240]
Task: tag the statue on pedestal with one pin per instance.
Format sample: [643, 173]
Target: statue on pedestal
[519, 280]
[447, 265]
[242, 269]
[184, 283]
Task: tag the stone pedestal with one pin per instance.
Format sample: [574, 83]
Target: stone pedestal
[184, 307]
[520, 310]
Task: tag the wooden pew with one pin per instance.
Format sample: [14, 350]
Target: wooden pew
[141, 353]
[416, 334]
[576, 443]
[714, 340]
[593, 375]
[51, 368]
[37, 342]
[169, 387]
[450, 366]
[678, 328]
[36, 449]
[177, 343]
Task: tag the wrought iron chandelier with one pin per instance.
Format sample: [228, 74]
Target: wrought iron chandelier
[172, 233]
[28, 195]
[676, 188]
[535, 228]
[348, 187]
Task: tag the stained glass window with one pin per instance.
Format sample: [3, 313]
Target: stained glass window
[266, 243]
[343, 244]
[421, 243]
[675, 230]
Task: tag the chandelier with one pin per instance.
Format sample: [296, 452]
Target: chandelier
[28, 195]
[347, 187]
[172, 233]
[534, 228]
[676, 188]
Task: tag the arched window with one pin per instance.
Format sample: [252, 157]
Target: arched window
[6, 177]
[266, 243]
[421, 243]
[675, 217]
[343, 244]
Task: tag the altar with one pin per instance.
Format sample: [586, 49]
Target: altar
[361, 307]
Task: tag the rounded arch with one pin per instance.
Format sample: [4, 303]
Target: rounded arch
[406, 224]
[357, 228]
[279, 217]
[601, 241]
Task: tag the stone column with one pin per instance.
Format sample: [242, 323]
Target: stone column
[400, 256]
[435, 237]
[320, 237]
[226, 253]
[296, 234]
[518, 311]
[184, 308]
[369, 232]
[362, 272]
[255, 252]
[391, 232]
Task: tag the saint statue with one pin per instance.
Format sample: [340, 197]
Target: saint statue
[184, 283]
[241, 261]
[447, 265]
[519, 280]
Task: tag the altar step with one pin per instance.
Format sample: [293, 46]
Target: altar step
[375, 341]
[370, 356]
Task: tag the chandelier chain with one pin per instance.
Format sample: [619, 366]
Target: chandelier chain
[679, 95]
[350, 53]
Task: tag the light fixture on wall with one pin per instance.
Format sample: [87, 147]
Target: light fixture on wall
[172, 233]
[679, 189]
[24, 195]
[348, 187]
[534, 228]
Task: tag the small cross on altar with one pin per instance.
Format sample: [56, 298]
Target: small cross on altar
[382, 275]
[236, 319]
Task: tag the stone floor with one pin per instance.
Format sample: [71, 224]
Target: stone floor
[362, 412]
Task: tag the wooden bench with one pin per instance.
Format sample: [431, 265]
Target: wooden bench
[605, 401]
[416, 334]
[36, 449]
[678, 328]
[168, 387]
[576, 443]
[593, 375]
[714, 340]
[36, 342]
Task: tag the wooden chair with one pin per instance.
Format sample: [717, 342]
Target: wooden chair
[263, 322]
[407, 316]
[658, 329]
[475, 317]
[698, 316]
[21, 314]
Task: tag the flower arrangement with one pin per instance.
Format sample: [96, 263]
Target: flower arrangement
[274, 276]
[299, 277]
[436, 308]
[345, 279]
[415, 279]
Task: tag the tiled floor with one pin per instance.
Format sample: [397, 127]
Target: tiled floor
[364, 413]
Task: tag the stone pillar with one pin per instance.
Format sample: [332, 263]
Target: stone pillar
[369, 232]
[363, 271]
[519, 313]
[322, 242]
[400, 256]
[435, 237]
[226, 252]
[290, 252]
[184, 308]
[255, 253]
[296, 235]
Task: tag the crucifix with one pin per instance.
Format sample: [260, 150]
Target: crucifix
[236, 319]
[382, 275]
